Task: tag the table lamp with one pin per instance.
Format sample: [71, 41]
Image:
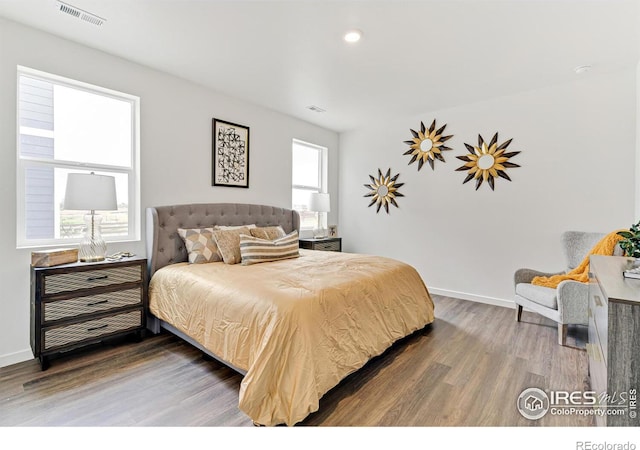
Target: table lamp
[320, 203]
[88, 191]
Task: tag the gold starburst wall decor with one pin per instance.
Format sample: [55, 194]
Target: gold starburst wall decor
[384, 190]
[427, 145]
[486, 162]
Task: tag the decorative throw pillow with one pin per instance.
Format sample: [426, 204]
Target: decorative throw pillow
[200, 245]
[228, 242]
[269, 233]
[255, 250]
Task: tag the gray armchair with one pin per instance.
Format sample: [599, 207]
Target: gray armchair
[568, 303]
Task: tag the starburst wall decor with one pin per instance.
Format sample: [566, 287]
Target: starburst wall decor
[427, 145]
[384, 190]
[486, 162]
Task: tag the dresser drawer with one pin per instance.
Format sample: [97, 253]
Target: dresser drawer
[327, 246]
[74, 307]
[74, 281]
[58, 337]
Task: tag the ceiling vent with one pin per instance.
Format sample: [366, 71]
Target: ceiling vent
[80, 14]
[315, 108]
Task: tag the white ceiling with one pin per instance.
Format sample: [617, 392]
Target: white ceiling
[414, 57]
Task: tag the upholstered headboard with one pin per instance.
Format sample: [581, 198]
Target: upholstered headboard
[164, 245]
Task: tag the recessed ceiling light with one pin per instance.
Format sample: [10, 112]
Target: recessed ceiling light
[582, 69]
[353, 36]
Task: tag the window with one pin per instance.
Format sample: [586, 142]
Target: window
[309, 175]
[66, 126]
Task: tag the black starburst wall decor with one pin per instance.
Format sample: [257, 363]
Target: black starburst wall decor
[384, 190]
[487, 162]
[427, 145]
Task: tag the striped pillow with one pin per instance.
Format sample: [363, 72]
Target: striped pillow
[255, 250]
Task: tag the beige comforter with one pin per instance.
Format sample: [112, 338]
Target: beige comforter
[298, 326]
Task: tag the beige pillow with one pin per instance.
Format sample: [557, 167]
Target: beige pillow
[269, 233]
[254, 250]
[228, 242]
[200, 245]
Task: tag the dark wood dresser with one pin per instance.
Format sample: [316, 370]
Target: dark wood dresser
[75, 305]
[614, 340]
[329, 244]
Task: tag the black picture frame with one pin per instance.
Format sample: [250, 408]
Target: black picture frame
[230, 154]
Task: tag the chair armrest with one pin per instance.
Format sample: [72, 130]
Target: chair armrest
[526, 275]
[617, 250]
[573, 302]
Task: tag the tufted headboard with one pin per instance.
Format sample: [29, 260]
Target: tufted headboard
[164, 245]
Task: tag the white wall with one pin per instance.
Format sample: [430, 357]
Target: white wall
[578, 158]
[175, 151]
[637, 173]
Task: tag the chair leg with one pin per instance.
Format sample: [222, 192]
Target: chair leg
[562, 333]
[518, 313]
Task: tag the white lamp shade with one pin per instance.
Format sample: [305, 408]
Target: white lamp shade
[320, 202]
[88, 191]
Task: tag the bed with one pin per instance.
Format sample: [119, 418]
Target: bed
[293, 327]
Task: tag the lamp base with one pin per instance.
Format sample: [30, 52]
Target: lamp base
[92, 247]
[319, 233]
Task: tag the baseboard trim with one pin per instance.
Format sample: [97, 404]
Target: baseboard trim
[473, 297]
[14, 358]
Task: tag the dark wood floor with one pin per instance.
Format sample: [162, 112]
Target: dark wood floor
[466, 369]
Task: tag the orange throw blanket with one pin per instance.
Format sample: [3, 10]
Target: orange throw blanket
[581, 273]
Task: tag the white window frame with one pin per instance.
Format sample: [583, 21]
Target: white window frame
[132, 172]
[322, 177]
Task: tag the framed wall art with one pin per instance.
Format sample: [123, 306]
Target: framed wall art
[230, 154]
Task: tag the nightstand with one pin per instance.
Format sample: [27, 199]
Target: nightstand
[79, 304]
[327, 244]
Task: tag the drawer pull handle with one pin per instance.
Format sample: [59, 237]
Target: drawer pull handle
[101, 277]
[98, 328]
[97, 303]
[596, 298]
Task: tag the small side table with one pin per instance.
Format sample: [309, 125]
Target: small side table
[79, 304]
[330, 244]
